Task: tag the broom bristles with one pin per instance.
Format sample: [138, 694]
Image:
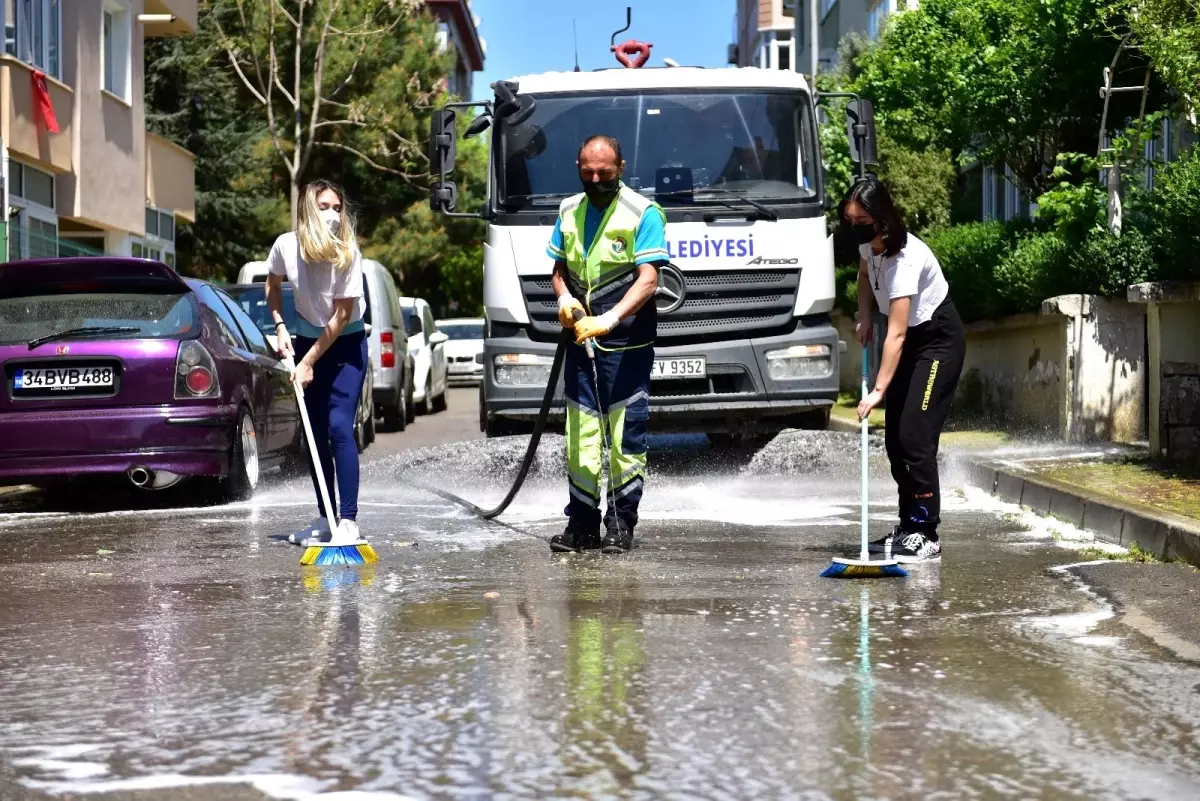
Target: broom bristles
[864, 570]
[359, 554]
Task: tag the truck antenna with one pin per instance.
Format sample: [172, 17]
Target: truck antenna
[628, 25]
[575, 37]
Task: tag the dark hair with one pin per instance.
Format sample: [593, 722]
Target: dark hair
[874, 197]
[606, 139]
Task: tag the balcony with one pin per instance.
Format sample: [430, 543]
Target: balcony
[170, 177]
[19, 124]
[184, 12]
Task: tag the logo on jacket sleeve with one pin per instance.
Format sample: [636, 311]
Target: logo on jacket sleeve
[619, 245]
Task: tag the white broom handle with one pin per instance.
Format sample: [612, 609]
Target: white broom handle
[312, 445]
[866, 360]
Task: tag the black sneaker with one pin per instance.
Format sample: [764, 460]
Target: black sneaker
[617, 541]
[576, 539]
[916, 547]
[888, 543]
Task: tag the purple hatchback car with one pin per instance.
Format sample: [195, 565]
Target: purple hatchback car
[121, 366]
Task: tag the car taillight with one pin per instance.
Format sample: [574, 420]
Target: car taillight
[195, 372]
[387, 349]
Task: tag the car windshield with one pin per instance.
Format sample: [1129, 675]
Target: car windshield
[679, 148]
[462, 330]
[157, 316]
[412, 321]
[253, 300]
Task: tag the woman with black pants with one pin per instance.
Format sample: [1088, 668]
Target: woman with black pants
[922, 359]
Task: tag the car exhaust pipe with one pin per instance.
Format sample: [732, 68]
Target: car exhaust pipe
[140, 476]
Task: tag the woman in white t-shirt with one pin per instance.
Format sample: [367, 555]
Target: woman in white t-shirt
[322, 262]
[922, 359]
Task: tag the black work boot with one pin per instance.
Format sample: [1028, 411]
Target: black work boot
[618, 540]
[576, 538]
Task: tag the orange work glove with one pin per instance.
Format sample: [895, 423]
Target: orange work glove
[590, 327]
[567, 306]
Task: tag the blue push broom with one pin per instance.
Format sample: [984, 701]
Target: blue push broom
[864, 566]
[333, 553]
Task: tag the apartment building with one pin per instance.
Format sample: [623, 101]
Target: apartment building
[458, 31]
[762, 35]
[81, 174]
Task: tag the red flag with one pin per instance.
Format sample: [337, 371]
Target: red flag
[44, 108]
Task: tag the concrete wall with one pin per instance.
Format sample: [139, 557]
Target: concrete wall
[170, 177]
[1015, 372]
[1173, 333]
[109, 133]
[1107, 395]
[18, 124]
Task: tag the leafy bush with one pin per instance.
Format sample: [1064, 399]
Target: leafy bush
[969, 255]
[1035, 269]
[1170, 219]
[1107, 264]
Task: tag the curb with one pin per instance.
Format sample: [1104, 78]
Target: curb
[1164, 535]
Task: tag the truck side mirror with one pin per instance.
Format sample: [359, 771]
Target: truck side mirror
[860, 127]
[443, 152]
[512, 108]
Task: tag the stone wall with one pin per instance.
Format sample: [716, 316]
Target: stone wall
[1173, 334]
[1014, 372]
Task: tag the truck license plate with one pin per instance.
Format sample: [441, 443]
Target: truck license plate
[53, 380]
[692, 367]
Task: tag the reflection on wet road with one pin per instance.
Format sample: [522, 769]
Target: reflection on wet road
[185, 651]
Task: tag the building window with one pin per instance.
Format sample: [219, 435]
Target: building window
[32, 32]
[31, 185]
[876, 18]
[114, 46]
[826, 7]
[159, 243]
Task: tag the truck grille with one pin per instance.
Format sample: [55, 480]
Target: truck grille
[716, 304]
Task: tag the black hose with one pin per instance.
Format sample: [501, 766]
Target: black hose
[530, 452]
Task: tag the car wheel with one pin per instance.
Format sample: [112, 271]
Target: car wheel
[439, 403]
[296, 463]
[482, 411]
[243, 460]
[410, 406]
[369, 428]
[395, 418]
[360, 434]
[428, 403]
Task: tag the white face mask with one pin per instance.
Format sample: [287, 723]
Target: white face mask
[333, 219]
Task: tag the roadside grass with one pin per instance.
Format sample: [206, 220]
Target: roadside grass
[1134, 554]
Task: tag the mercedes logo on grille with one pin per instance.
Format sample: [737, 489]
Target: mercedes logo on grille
[671, 289]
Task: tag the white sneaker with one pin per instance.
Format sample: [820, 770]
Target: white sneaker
[317, 530]
[916, 548]
[346, 534]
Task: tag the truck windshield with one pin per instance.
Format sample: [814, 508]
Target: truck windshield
[679, 148]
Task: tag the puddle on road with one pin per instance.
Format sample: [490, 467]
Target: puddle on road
[713, 662]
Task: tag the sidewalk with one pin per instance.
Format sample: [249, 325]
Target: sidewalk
[1114, 491]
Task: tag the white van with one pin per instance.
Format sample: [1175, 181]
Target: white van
[387, 341]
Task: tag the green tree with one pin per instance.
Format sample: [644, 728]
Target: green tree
[1168, 32]
[351, 77]
[995, 81]
[188, 100]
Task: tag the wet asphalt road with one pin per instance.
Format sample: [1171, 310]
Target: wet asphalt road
[176, 653]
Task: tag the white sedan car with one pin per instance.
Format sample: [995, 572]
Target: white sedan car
[465, 343]
[428, 348]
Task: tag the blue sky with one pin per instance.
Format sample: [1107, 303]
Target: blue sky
[526, 36]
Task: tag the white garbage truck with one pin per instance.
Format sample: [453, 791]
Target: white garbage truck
[745, 344]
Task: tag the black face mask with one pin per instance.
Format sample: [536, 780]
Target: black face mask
[863, 233]
[601, 193]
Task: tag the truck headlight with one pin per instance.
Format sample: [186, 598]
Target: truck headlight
[799, 362]
[522, 369]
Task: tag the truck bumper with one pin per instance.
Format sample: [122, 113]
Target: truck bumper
[737, 395]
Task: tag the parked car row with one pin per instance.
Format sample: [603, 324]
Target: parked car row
[122, 366]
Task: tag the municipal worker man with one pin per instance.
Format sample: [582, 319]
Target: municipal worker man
[607, 246]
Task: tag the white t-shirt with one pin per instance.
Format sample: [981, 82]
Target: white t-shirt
[317, 286]
[914, 273]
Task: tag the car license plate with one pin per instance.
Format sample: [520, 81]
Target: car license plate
[46, 381]
[691, 367]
